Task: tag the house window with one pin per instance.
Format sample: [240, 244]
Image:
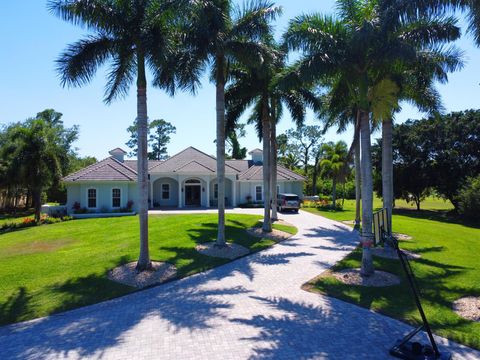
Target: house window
[215, 191]
[165, 191]
[92, 198]
[258, 193]
[116, 197]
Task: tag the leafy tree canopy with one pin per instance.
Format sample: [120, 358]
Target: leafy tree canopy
[158, 139]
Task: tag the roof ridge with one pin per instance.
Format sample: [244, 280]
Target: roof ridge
[210, 156]
[125, 166]
[171, 157]
[193, 161]
[121, 172]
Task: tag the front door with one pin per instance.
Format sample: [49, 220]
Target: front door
[192, 195]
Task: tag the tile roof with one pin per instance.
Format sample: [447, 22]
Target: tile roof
[255, 172]
[177, 162]
[188, 161]
[107, 169]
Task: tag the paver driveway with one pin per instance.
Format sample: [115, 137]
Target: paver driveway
[250, 308]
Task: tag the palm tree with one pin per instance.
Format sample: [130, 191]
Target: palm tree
[354, 50]
[290, 161]
[433, 8]
[131, 34]
[334, 158]
[35, 158]
[223, 36]
[259, 86]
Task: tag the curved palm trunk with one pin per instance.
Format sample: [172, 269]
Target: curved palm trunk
[267, 221]
[358, 184]
[220, 102]
[273, 159]
[144, 262]
[367, 194]
[387, 171]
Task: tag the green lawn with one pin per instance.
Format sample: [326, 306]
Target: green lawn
[449, 269]
[52, 268]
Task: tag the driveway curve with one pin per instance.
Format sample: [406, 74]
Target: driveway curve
[251, 308]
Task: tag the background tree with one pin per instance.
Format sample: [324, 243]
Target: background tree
[334, 157]
[159, 132]
[303, 139]
[132, 34]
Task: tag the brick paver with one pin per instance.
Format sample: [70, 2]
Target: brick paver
[249, 308]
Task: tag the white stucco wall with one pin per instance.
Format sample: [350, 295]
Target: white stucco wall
[77, 192]
[157, 192]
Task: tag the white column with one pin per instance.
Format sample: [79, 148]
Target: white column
[180, 193]
[234, 193]
[207, 192]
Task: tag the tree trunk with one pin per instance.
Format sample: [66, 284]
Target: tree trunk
[267, 221]
[387, 170]
[143, 262]
[273, 164]
[220, 103]
[358, 184]
[305, 169]
[334, 192]
[37, 200]
[367, 194]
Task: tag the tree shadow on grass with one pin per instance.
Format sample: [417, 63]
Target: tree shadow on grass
[16, 307]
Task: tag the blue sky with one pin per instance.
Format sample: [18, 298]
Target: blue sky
[32, 39]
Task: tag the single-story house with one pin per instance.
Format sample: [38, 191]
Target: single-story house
[187, 179]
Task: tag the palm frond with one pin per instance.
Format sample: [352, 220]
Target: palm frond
[79, 62]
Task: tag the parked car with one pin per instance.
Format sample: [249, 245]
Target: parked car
[288, 202]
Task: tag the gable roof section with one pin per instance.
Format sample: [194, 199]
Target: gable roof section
[107, 169]
[194, 167]
[256, 173]
[187, 156]
[132, 164]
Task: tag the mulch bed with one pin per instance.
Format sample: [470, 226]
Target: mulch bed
[275, 235]
[228, 251]
[127, 274]
[378, 279]
[468, 308]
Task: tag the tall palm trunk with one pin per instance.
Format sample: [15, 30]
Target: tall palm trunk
[367, 194]
[220, 101]
[273, 164]
[358, 184]
[334, 192]
[387, 170]
[144, 262]
[267, 221]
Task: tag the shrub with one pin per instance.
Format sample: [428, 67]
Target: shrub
[76, 206]
[469, 198]
[129, 205]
